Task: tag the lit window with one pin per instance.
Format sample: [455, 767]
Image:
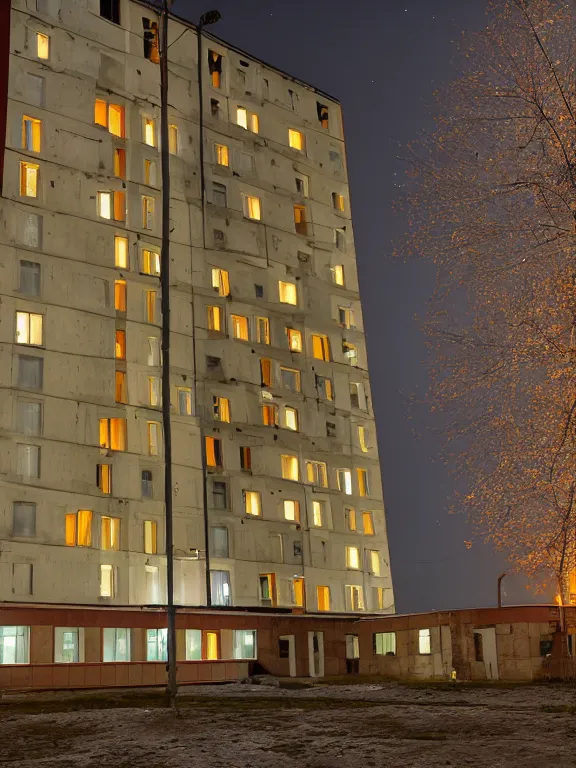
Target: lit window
[150, 305]
[104, 478]
[221, 408]
[112, 205]
[150, 262]
[374, 562]
[362, 439]
[325, 388]
[101, 113]
[31, 134]
[29, 328]
[215, 68]
[110, 533]
[106, 581]
[263, 330]
[368, 523]
[320, 347]
[294, 340]
[79, 528]
[424, 642]
[239, 327]
[121, 387]
[116, 120]
[384, 643]
[252, 207]
[323, 598]
[211, 646]
[245, 457]
[113, 434]
[150, 173]
[338, 274]
[296, 139]
[213, 451]
[15, 645]
[292, 510]
[344, 478]
[252, 502]
[290, 378]
[154, 391]
[105, 205]
[121, 252]
[149, 132]
[42, 46]
[270, 415]
[288, 293]
[317, 473]
[214, 318]
[29, 179]
[173, 139]
[120, 163]
[290, 468]
[350, 353]
[247, 120]
[184, 401]
[363, 485]
[338, 202]
[120, 295]
[300, 223]
[266, 371]
[291, 419]
[150, 537]
[153, 438]
[150, 38]
[318, 513]
[354, 597]
[350, 516]
[222, 154]
[221, 282]
[352, 557]
[148, 206]
[346, 318]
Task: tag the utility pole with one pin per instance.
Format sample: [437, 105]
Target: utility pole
[171, 687]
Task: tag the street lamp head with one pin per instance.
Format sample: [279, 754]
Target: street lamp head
[210, 17]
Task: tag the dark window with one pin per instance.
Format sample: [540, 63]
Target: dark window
[30, 372]
[151, 49]
[215, 107]
[330, 429]
[259, 289]
[219, 494]
[478, 648]
[212, 362]
[24, 519]
[284, 648]
[110, 9]
[219, 541]
[147, 486]
[245, 457]
[546, 647]
[322, 114]
[219, 196]
[218, 237]
[29, 278]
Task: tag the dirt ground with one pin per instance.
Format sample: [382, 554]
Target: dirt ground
[249, 726]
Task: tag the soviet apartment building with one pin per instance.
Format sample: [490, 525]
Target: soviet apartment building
[269, 374]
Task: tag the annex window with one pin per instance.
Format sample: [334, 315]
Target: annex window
[323, 598]
[149, 131]
[263, 330]
[29, 173]
[294, 340]
[340, 239]
[290, 378]
[120, 345]
[346, 318]
[173, 139]
[29, 417]
[213, 451]
[68, 645]
[148, 208]
[154, 397]
[354, 597]
[317, 473]
[322, 111]
[112, 205]
[219, 195]
[149, 172]
[184, 401]
[221, 282]
[290, 467]
[150, 306]
[247, 120]
[219, 541]
[150, 37]
[291, 420]
[29, 329]
[252, 207]
[221, 588]
[215, 68]
[363, 483]
[362, 438]
[121, 389]
[424, 647]
[214, 315]
[104, 478]
[153, 438]
[318, 513]
[221, 408]
[150, 262]
[156, 644]
[244, 644]
[344, 478]
[115, 644]
[146, 479]
[252, 502]
[266, 371]
[352, 557]
[31, 134]
[30, 372]
[384, 643]
[110, 9]
[14, 645]
[292, 510]
[113, 434]
[120, 163]
[320, 346]
[287, 292]
[23, 519]
[30, 278]
[42, 46]
[374, 562]
[296, 139]
[350, 352]
[219, 495]
[150, 537]
[240, 327]
[79, 528]
[270, 415]
[350, 517]
[120, 252]
[300, 223]
[245, 458]
[368, 523]
[110, 533]
[338, 202]
[222, 155]
[338, 274]
[120, 295]
[325, 388]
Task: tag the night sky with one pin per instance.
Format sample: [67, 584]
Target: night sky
[383, 59]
